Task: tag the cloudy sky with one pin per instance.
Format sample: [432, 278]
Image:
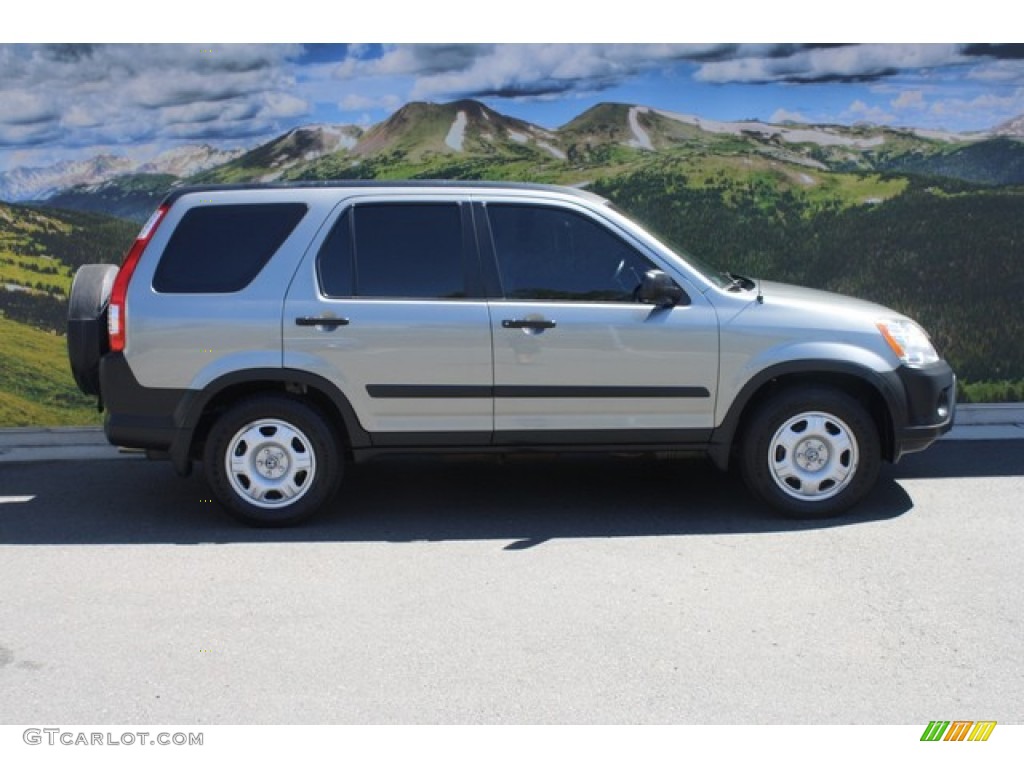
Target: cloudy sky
[68, 101]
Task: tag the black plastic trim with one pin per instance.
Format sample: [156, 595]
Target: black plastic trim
[524, 323]
[445, 391]
[431, 440]
[599, 391]
[927, 388]
[167, 419]
[327, 322]
[527, 391]
[551, 441]
[626, 439]
[887, 385]
[137, 416]
[485, 253]
[256, 376]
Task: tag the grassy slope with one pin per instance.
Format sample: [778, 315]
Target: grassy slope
[36, 388]
[41, 248]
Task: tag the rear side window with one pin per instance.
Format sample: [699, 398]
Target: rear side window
[395, 250]
[221, 248]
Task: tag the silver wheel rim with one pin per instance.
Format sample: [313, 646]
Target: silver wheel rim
[270, 463]
[813, 456]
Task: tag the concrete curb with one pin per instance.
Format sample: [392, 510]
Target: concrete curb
[58, 444]
[973, 422]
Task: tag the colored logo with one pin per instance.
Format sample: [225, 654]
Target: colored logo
[958, 730]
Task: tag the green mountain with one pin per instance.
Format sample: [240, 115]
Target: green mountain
[462, 139]
[468, 140]
[272, 161]
[994, 162]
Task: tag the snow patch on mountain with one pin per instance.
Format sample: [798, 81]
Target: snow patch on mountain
[946, 136]
[640, 140]
[334, 138]
[188, 160]
[517, 137]
[820, 136]
[555, 151]
[1013, 127]
[42, 183]
[457, 133]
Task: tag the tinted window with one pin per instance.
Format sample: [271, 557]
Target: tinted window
[334, 262]
[548, 253]
[221, 248]
[409, 250]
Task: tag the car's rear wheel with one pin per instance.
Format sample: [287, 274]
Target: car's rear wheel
[811, 452]
[272, 460]
[87, 323]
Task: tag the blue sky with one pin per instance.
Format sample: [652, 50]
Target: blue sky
[70, 101]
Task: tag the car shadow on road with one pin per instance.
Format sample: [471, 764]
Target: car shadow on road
[520, 502]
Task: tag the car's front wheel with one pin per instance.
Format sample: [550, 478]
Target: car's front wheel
[272, 460]
[811, 452]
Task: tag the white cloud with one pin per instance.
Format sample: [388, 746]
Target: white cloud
[848, 62]
[511, 70]
[909, 100]
[281, 104]
[26, 108]
[1008, 70]
[354, 102]
[859, 111]
[986, 109]
[82, 95]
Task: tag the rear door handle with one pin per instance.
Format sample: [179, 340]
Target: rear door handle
[330, 322]
[520, 323]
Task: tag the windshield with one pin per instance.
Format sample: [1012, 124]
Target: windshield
[710, 273]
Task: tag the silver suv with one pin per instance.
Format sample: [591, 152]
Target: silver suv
[275, 332]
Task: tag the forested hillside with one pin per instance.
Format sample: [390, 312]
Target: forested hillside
[949, 256]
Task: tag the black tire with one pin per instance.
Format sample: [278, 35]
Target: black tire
[87, 323]
[811, 452]
[272, 460]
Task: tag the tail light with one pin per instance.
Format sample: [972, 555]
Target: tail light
[115, 311]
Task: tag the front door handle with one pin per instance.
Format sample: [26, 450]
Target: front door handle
[523, 323]
[330, 322]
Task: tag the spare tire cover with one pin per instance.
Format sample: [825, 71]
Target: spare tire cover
[87, 323]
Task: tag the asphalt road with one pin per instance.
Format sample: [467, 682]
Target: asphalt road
[580, 590]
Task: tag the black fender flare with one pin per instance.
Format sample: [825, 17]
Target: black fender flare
[886, 385]
[191, 409]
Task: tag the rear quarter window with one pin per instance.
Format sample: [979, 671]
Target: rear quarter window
[221, 248]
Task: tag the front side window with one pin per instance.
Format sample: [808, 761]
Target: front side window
[395, 250]
[221, 248]
[553, 254]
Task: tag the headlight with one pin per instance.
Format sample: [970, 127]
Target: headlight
[909, 341]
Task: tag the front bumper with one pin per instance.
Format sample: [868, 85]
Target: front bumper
[930, 395]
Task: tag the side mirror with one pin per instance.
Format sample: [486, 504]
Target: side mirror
[659, 289]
